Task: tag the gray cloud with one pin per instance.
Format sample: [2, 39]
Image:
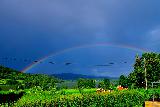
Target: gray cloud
[39, 27]
[87, 21]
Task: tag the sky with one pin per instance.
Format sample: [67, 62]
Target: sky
[69, 31]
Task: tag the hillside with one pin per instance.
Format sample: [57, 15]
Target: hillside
[8, 73]
[12, 78]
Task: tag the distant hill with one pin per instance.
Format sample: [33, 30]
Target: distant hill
[72, 76]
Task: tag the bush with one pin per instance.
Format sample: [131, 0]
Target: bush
[115, 99]
[148, 94]
[8, 87]
[10, 97]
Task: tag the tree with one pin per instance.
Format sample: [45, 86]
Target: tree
[44, 81]
[101, 85]
[107, 83]
[148, 69]
[123, 81]
[86, 83]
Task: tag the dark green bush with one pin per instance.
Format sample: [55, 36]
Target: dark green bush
[10, 97]
[7, 87]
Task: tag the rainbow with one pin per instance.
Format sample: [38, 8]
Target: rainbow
[83, 46]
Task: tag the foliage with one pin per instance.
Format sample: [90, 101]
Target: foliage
[152, 65]
[10, 77]
[101, 84]
[9, 97]
[8, 87]
[105, 84]
[115, 99]
[123, 81]
[43, 81]
[67, 84]
[148, 94]
[75, 91]
[86, 83]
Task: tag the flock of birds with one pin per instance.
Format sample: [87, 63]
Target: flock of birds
[5, 59]
[109, 64]
[50, 62]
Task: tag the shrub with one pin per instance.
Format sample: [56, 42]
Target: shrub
[116, 99]
[10, 97]
[148, 94]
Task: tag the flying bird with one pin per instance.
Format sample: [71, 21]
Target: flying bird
[51, 62]
[111, 63]
[35, 61]
[68, 63]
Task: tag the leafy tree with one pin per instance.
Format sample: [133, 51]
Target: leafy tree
[101, 84]
[123, 81]
[106, 83]
[86, 83]
[44, 81]
[152, 66]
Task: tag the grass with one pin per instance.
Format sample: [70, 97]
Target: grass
[76, 91]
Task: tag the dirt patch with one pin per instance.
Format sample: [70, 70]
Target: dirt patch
[152, 104]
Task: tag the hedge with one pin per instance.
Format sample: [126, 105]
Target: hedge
[148, 94]
[115, 99]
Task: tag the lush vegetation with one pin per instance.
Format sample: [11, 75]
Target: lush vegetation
[105, 84]
[72, 97]
[11, 79]
[115, 99]
[86, 83]
[136, 79]
[31, 90]
[10, 97]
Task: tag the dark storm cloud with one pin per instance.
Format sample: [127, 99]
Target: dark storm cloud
[80, 21]
[35, 28]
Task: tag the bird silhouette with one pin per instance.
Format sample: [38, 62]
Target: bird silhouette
[111, 63]
[51, 62]
[35, 61]
[68, 63]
